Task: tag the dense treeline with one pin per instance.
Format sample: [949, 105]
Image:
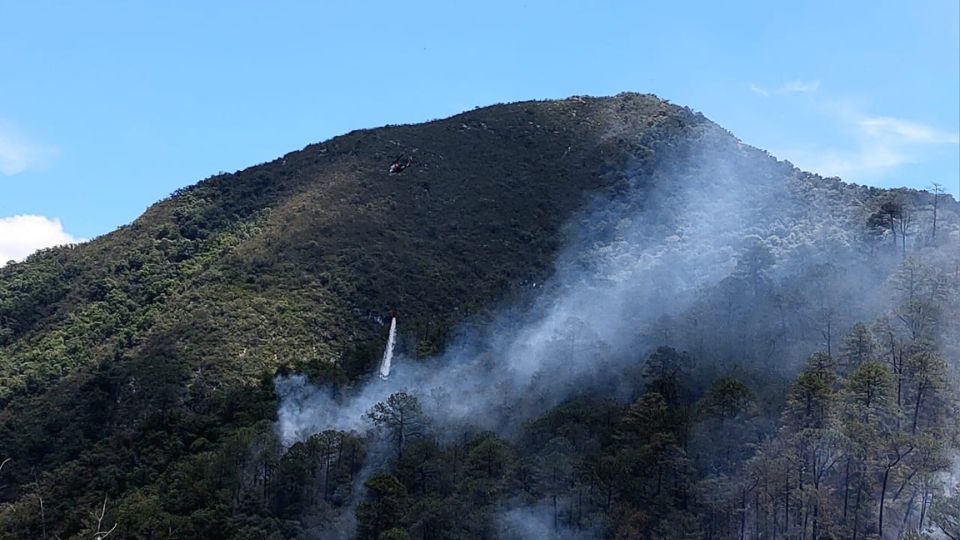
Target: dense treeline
[861, 442]
[858, 440]
[864, 441]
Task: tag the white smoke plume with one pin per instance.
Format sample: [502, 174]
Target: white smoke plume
[632, 258]
[536, 523]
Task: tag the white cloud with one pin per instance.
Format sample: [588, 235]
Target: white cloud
[795, 86]
[18, 153]
[799, 87]
[759, 90]
[885, 127]
[870, 161]
[22, 235]
[879, 145]
[875, 145]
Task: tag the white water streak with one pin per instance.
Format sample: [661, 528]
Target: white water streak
[388, 351]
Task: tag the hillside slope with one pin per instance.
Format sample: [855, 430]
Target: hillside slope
[139, 362]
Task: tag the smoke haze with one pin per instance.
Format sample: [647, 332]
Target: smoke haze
[675, 255]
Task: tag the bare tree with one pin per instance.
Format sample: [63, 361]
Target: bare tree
[937, 190]
[895, 455]
[903, 223]
[43, 517]
[100, 534]
[1, 469]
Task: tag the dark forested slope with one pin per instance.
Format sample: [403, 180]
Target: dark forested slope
[139, 367]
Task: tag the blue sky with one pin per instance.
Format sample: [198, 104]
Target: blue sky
[107, 107]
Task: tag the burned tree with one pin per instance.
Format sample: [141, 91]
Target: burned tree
[894, 216]
[936, 190]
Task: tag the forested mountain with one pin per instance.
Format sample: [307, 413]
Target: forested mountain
[615, 321]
